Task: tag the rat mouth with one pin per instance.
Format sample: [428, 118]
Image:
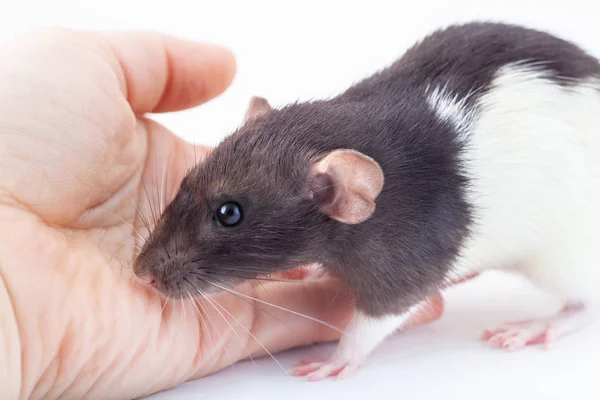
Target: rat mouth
[179, 276]
[185, 284]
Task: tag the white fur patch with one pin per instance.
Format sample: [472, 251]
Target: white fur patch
[533, 155]
[364, 333]
[449, 108]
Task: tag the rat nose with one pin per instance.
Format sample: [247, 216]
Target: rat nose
[148, 280]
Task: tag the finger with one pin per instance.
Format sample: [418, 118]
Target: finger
[432, 310]
[159, 73]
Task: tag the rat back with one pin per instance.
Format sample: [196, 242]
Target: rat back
[526, 107]
[489, 138]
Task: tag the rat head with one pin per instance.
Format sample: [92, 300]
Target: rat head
[255, 207]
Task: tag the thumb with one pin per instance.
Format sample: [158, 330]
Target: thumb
[159, 73]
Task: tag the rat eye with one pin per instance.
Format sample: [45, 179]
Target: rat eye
[228, 214]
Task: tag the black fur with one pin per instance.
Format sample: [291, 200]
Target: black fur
[466, 57]
[405, 250]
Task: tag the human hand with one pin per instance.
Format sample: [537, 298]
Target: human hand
[80, 167]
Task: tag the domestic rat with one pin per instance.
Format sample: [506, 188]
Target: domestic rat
[479, 148]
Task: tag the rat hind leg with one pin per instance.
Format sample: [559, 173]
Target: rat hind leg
[547, 330]
[550, 274]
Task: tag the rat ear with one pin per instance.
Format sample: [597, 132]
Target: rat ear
[345, 184]
[257, 106]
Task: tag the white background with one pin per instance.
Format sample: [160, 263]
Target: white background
[296, 50]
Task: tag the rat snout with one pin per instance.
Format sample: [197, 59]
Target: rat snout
[160, 270]
[148, 280]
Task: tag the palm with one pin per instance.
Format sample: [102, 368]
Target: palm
[81, 178]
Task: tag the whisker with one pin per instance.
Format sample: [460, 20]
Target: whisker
[252, 278]
[187, 166]
[132, 227]
[199, 313]
[182, 305]
[254, 337]
[335, 328]
[260, 308]
[166, 301]
[212, 324]
[224, 319]
[163, 191]
[205, 297]
[195, 157]
[157, 194]
[141, 216]
[147, 196]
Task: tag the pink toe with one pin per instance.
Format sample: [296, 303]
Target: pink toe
[348, 370]
[306, 369]
[321, 373]
[309, 361]
[514, 343]
[487, 334]
[499, 339]
[325, 371]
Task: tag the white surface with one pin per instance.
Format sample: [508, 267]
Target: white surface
[444, 360]
[297, 50]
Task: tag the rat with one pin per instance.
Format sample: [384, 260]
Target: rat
[478, 149]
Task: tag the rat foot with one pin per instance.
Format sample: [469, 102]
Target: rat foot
[516, 335]
[319, 370]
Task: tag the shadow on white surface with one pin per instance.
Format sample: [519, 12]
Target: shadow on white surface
[445, 359]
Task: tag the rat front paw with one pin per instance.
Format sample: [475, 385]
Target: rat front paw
[319, 370]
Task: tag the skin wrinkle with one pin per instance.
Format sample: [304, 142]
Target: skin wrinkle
[56, 362]
[115, 360]
[65, 344]
[20, 205]
[122, 80]
[91, 49]
[253, 320]
[101, 353]
[184, 363]
[200, 350]
[218, 359]
[87, 210]
[118, 193]
[8, 311]
[122, 187]
[142, 190]
[28, 388]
